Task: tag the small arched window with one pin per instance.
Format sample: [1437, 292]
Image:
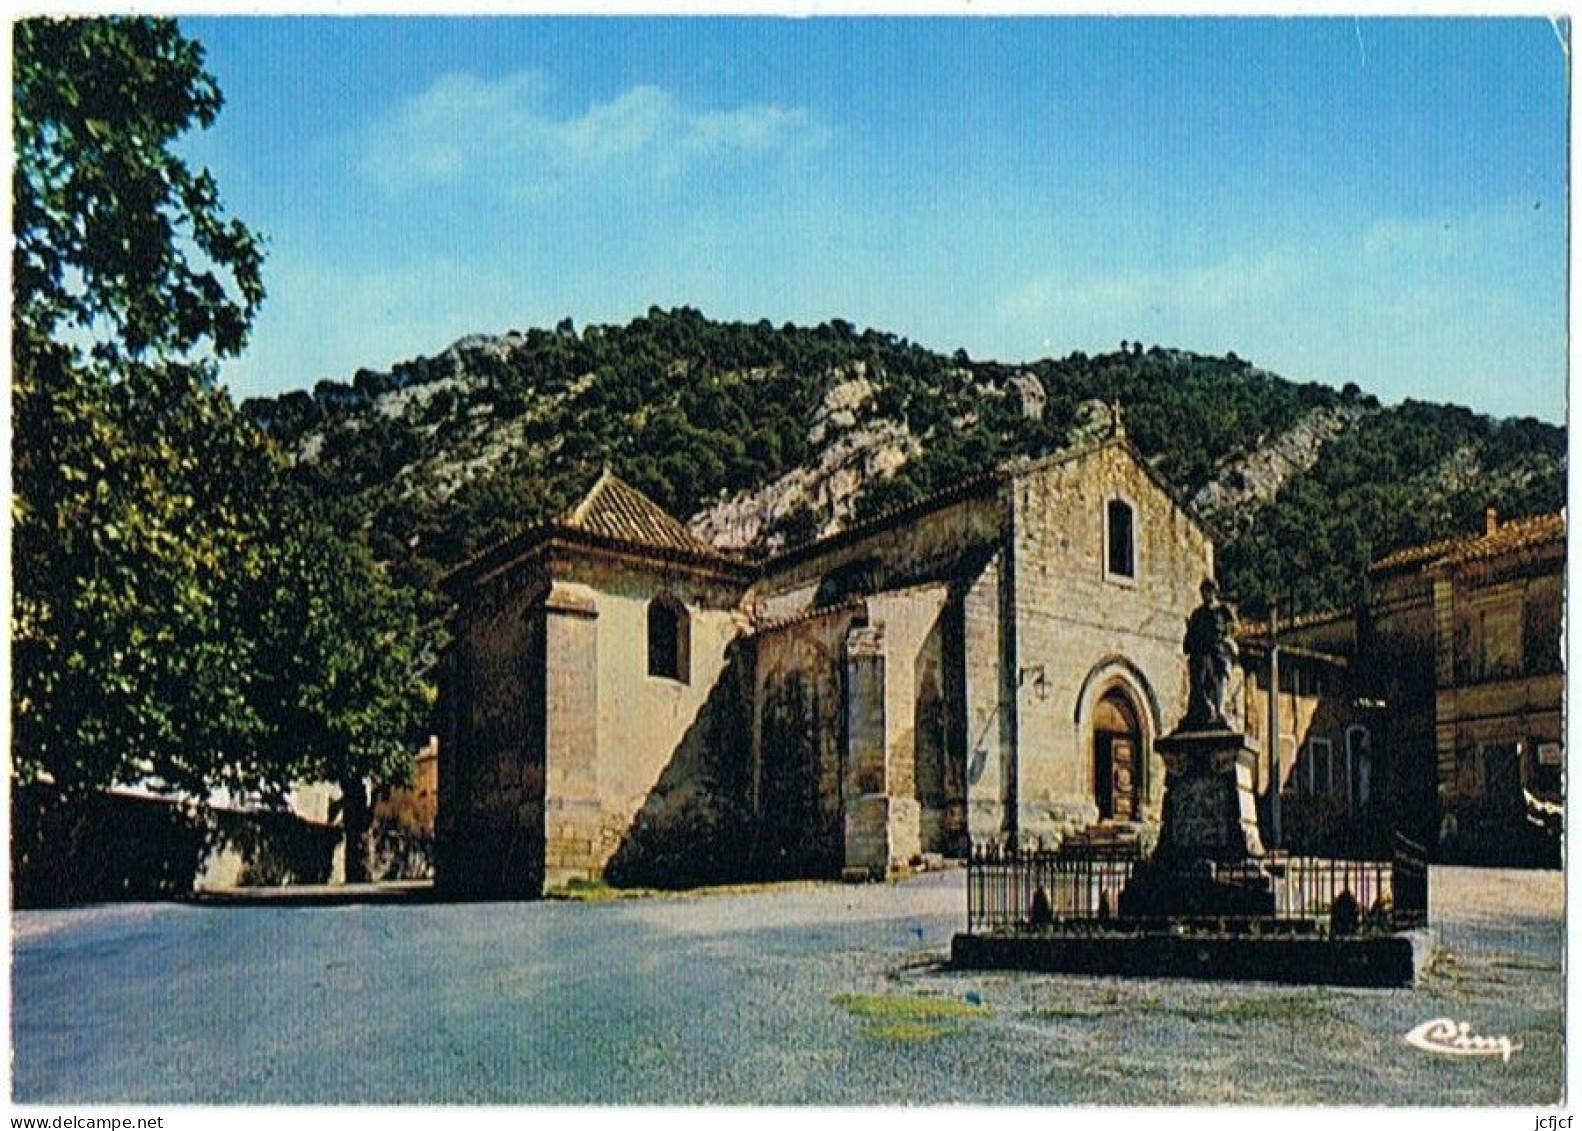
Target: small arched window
[1359, 763]
[669, 639]
[1320, 768]
[1120, 549]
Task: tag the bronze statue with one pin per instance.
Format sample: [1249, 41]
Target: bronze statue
[1210, 647]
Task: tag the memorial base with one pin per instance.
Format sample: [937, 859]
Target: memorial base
[1206, 864]
[1382, 961]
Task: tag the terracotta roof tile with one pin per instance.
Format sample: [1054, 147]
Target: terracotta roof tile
[1518, 534]
[775, 624]
[620, 512]
[1411, 555]
[1257, 629]
[1507, 537]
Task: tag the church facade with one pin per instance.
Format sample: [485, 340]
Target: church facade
[993, 663]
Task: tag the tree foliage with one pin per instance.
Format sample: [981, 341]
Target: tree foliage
[180, 617]
[136, 516]
[116, 238]
[342, 660]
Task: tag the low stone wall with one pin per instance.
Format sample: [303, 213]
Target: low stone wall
[113, 846]
[1380, 961]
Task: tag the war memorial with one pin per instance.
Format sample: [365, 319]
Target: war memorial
[1210, 901]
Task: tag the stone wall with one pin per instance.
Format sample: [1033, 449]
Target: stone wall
[945, 542]
[799, 743]
[1316, 701]
[490, 820]
[641, 719]
[988, 708]
[1499, 703]
[1079, 630]
[559, 738]
[693, 826]
[403, 821]
[924, 754]
[116, 846]
[1334, 772]
[917, 684]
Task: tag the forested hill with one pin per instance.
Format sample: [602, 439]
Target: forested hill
[766, 435]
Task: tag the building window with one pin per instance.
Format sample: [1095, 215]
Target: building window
[1359, 764]
[1499, 641]
[1320, 757]
[1546, 758]
[1502, 777]
[1542, 640]
[1120, 557]
[669, 639]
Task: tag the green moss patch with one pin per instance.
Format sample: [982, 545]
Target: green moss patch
[910, 1030]
[907, 1007]
[910, 1017]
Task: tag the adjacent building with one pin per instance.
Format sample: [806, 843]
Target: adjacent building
[1440, 700]
[1463, 640]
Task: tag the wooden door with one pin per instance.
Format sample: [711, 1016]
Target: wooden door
[1123, 778]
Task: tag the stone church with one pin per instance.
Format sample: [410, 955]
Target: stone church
[622, 699]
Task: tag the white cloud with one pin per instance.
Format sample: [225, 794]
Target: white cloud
[1460, 307]
[499, 133]
[1207, 291]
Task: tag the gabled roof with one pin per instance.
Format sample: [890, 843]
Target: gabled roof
[1500, 538]
[995, 477]
[613, 517]
[616, 510]
[1414, 555]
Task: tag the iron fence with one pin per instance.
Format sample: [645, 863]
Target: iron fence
[1011, 889]
[1409, 884]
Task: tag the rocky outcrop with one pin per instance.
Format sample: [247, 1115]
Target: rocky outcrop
[828, 488]
[1030, 389]
[773, 435]
[843, 405]
[1243, 482]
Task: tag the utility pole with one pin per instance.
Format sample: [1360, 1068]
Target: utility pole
[1274, 722]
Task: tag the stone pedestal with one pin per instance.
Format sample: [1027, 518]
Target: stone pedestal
[1206, 864]
[1210, 808]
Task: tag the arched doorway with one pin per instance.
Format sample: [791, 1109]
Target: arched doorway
[1117, 757]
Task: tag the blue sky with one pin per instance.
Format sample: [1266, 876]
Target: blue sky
[1373, 201]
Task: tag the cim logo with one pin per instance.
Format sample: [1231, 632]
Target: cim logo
[1456, 1038]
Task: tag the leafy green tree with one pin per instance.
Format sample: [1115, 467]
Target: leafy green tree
[135, 481]
[179, 617]
[341, 687]
[117, 240]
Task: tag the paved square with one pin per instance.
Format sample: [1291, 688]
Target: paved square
[805, 993]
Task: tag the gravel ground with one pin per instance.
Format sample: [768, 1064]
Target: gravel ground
[810, 993]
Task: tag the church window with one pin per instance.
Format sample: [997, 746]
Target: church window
[1120, 540]
[669, 639]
